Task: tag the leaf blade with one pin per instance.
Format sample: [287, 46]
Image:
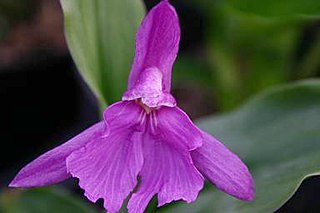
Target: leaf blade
[277, 134]
[42, 200]
[100, 35]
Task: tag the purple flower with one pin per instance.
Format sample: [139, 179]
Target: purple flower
[145, 135]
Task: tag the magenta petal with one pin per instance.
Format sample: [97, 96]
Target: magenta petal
[149, 89]
[177, 128]
[108, 168]
[122, 114]
[50, 167]
[157, 44]
[223, 168]
[166, 171]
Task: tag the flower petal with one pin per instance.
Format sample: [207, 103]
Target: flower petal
[157, 44]
[177, 127]
[108, 168]
[166, 171]
[122, 114]
[149, 89]
[223, 168]
[50, 167]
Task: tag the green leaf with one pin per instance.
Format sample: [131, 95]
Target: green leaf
[238, 48]
[279, 9]
[101, 36]
[277, 134]
[42, 200]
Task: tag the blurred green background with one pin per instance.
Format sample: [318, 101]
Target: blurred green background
[230, 51]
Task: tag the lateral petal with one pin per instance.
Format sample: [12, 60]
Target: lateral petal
[223, 168]
[108, 168]
[50, 167]
[177, 128]
[122, 114]
[167, 172]
[157, 44]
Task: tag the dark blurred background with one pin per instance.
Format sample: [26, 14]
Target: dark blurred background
[44, 101]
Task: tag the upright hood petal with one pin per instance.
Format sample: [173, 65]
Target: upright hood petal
[157, 44]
